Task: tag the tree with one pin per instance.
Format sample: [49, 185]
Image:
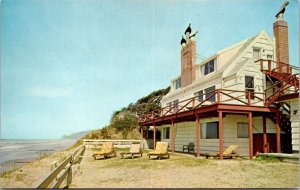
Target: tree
[124, 122]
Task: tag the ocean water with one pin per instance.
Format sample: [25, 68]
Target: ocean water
[28, 150]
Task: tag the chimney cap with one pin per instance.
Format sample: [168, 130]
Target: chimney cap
[189, 29]
[282, 10]
[183, 41]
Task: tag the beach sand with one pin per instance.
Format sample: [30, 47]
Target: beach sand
[31, 174]
[178, 171]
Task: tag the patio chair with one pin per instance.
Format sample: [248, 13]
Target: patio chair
[189, 147]
[228, 153]
[135, 149]
[107, 149]
[160, 151]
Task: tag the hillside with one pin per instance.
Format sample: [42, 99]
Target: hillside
[124, 122]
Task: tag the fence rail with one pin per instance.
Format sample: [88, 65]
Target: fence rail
[63, 170]
[93, 143]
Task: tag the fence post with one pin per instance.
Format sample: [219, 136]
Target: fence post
[69, 177]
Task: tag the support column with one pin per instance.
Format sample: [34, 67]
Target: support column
[154, 137]
[198, 135]
[221, 134]
[278, 131]
[250, 134]
[265, 148]
[173, 136]
[147, 134]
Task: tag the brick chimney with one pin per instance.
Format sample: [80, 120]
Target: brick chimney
[188, 59]
[280, 28]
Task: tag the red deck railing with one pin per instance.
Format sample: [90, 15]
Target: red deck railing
[218, 96]
[275, 67]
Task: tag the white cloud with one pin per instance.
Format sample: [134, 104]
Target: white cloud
[49, 92]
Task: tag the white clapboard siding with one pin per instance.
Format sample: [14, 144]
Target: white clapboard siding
[295, 124]
[186, 133]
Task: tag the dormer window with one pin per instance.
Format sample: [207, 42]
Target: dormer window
[209, 67]
[178, 83]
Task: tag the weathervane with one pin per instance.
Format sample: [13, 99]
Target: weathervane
[279, 15]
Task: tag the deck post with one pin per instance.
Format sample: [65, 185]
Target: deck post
[198, 134]
[147, 133]
[173, 136]
[221, 134]
[154, 137]
[265, 134]
[278, 131]
[250, 134]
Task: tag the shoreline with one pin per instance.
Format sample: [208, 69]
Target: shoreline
[31, 173]
[20, 157]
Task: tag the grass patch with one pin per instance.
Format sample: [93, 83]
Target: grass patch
[153, 163]
[6, 173]
[20, 177]
[43, 155]
[267, 159]
[191, 162]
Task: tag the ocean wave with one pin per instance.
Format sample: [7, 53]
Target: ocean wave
[10, 147]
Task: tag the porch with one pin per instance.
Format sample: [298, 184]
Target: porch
[217, 104]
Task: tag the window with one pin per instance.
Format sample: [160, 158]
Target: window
[249, 86]
[175, 103]
[199, 95]
[210, 91]
[178, 83]
[210, 130]
[169, 104]
[209, 67]
[242, 130]
[167, 133]
[269, 57]
[256, 54]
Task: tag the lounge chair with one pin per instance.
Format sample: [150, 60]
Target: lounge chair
[189, 147]
[107, 149]
[228, 153]
[160, 151]
[135, 149]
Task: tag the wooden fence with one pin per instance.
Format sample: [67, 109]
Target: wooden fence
[63, 171]
[97, 143]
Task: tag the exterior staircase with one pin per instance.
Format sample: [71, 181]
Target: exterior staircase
[286, 79]
[285, 126]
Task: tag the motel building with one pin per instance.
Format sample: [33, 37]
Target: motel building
[246, 95]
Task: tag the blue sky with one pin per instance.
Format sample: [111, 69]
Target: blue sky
[66, 65]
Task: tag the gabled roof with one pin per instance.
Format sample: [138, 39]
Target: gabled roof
[238, 66]
[233, 65]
